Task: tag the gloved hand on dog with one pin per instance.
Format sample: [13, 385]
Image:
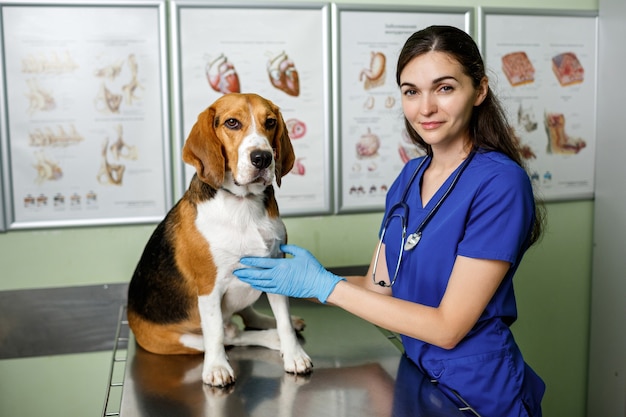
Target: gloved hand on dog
[301, 276]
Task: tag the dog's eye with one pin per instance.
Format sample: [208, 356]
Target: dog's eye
[270, 123]
[232, 124]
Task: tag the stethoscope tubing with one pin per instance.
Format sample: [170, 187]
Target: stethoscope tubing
[415, 236]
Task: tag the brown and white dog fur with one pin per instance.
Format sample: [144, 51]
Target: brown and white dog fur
[183, 294]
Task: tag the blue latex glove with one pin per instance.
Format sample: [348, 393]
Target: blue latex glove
[301, 276]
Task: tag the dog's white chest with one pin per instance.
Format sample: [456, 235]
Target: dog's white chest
[236, 227]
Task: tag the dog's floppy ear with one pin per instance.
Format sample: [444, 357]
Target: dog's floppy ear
[284, 155]
[203, 150]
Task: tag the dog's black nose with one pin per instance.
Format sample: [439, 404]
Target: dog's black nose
[261, 159]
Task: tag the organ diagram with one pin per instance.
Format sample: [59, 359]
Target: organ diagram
[280, 73]
[369, 160]
[373, 74]
[222, 75]
[377, 146]
[518, 68]
[520, 71]
[368, 145]
[296, 128]
[280, 58]
[371, 102]
[559, 141]
[283, 74]
[567, 69]
[407, 149]
[546, 82]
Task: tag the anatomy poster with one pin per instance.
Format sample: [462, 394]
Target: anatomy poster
[546, 78]
[2, 195]
[85, 114]
[279, 53]
[373, 145]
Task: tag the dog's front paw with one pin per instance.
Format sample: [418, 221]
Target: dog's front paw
[297, 362]
[218, 375]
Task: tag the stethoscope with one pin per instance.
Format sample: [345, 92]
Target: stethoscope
[410, 242]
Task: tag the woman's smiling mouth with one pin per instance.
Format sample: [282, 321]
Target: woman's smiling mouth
[430, 125]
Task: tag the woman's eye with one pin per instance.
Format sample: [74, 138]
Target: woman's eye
[232, 124]
[446, 89]
[409, 92]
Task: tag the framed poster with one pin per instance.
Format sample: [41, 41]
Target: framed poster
[280, 52]
[372, 145]
[546, 79]
[3, 196]
[86, 139]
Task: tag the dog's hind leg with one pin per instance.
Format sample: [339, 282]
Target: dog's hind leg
[254, 320]
[166, 339]
[265, 338]
[193, 341]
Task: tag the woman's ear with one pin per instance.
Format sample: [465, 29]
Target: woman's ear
[203, 150]
[481, 91]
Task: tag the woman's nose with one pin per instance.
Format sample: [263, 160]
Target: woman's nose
[428, 104]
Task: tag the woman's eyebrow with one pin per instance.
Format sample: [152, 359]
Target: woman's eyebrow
[435, 81]
[443, 78]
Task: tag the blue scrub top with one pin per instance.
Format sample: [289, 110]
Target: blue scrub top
[488, 215]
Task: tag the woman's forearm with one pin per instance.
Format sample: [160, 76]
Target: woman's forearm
[400, 316]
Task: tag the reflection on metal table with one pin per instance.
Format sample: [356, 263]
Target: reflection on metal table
[358, 371]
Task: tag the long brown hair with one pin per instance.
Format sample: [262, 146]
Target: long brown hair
[489, 128]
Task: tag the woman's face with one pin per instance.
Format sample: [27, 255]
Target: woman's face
[438, 99]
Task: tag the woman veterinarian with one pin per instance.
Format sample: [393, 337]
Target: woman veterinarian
[457, 223]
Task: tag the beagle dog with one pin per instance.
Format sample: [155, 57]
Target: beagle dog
[183, 295]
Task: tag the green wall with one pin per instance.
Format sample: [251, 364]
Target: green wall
[553, 282]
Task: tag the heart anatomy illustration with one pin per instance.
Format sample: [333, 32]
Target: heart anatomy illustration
[283, 74]
[222, 75]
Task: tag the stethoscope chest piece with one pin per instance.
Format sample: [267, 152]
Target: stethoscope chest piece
[412, 240]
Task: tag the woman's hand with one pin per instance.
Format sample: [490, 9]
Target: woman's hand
[301, 276]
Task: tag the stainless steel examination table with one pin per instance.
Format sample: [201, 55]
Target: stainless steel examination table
[359, 370]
